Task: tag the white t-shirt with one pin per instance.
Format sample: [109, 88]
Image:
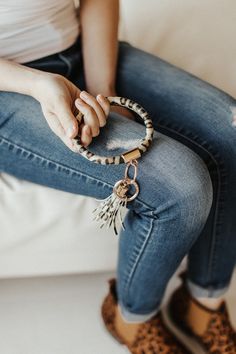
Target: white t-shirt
[32, 29]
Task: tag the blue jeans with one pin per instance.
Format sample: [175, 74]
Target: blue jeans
[177, 211]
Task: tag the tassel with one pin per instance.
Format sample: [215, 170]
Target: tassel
[109, 210]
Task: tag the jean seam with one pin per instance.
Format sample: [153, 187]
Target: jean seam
[134, 264]
[8, 142]
[212, 250]
[64, 167]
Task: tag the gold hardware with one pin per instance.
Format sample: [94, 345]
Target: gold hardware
[131, 155]
[133, 163]
[121, 187]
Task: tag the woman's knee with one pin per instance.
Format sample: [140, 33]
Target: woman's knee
[176, 184]
[193, 199]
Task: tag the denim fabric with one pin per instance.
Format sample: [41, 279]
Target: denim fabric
[170, 217]
[201, 117]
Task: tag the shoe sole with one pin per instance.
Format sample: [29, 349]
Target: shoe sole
[172, 327]
[186, 338]
[125, 348]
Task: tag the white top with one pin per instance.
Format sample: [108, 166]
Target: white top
[32, 29]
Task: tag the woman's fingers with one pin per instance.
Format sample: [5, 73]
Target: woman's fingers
[55, 125]
[64, 124]
[58, 129]
[94, 112]
[90, 117]
[98, 109]
[104, 103]
[66, 118]
[86, 135]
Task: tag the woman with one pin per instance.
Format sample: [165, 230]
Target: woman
[51, 68]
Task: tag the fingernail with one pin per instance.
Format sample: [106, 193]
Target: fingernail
[84, 95]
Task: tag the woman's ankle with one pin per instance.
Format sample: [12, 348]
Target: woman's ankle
[127, 330]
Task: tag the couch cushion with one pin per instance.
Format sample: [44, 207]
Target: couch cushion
[45, 231]
[196, 35]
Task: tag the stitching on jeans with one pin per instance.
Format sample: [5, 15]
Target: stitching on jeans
[138, 256]
[211, 258]
[9, 143]
[64, 167]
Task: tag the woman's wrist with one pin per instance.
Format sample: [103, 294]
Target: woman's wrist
[32, 79]
[18, 78]
[37, 83]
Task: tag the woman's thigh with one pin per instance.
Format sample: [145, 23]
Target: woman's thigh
[31, 151]
[182, 105]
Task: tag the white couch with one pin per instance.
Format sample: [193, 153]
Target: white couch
[45, 231]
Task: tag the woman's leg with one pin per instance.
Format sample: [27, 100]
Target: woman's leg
[162, 223]
[200, 116]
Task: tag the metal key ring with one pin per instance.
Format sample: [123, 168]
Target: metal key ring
[122, 186]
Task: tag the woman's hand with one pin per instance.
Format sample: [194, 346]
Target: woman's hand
[95, 111]
[60, 100]
[88, 105]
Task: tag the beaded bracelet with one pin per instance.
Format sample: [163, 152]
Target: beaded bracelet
[110, 207]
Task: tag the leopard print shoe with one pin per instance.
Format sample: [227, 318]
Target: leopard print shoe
[216, 334]
[152, 336]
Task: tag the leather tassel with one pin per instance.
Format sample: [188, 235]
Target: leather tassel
[109, 211]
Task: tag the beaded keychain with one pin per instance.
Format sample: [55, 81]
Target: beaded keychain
[110, 208]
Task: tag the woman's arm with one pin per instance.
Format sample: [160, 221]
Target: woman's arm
[17, 78]
[99, 21]
[59, 99]
[99, 29]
